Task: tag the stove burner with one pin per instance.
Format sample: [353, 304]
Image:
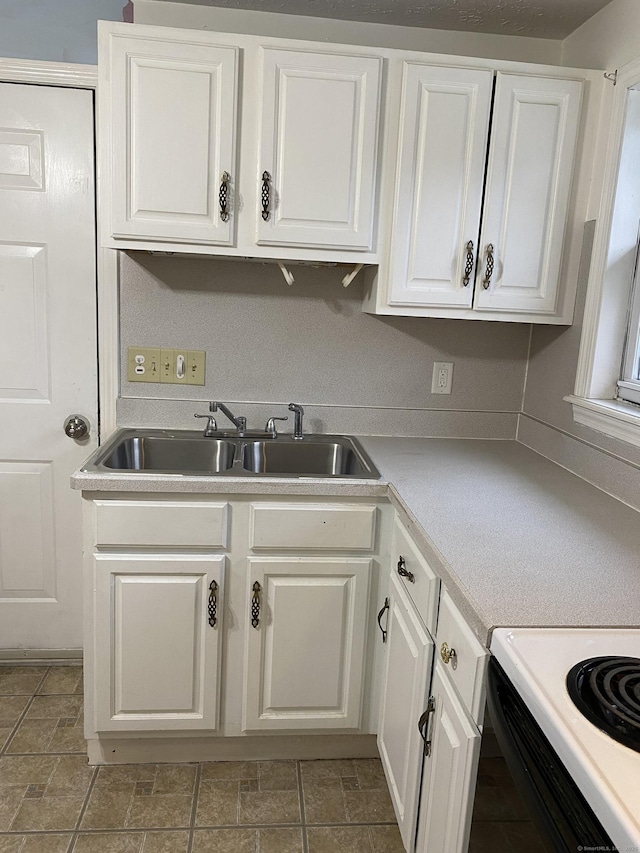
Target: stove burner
[607, 691]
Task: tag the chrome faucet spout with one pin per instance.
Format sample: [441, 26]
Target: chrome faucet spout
[240, 422]
[298, 413]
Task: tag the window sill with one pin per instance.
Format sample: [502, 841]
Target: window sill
[613, 417]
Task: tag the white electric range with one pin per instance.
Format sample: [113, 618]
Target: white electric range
[607, 772]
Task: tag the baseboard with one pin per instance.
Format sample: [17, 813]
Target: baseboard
[191, 749]
[33, 657]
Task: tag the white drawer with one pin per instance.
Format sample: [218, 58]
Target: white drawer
[319, 527]
[197, 524]
[419, 580]
[466, 668]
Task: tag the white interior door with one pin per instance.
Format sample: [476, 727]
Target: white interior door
[47, 357]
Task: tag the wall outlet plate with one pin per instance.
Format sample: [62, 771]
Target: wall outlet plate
[173, 366]
[143, 364]
[442, 377]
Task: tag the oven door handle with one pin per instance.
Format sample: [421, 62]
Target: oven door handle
[423, 725]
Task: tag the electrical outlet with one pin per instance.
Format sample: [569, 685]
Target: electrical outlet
[143, 364]
[442, 378]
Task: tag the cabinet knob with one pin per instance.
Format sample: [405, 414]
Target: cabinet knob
[448, 655]
[404, 572]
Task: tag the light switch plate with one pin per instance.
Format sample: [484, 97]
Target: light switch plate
[196, 360]
[173, 366]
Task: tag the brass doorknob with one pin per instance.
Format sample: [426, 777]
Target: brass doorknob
[76, 427]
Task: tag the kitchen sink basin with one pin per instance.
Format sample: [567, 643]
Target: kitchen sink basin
[171, 455]
[246, 455]
[305, 458]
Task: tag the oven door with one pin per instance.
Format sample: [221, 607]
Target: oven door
[563, 816]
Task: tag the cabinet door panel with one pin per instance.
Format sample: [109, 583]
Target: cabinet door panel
[305, 658]
[172, 107]
[407, 674]
[444, 125]
[157, 656]
[318, 142]
[449, 773]
[533, 141]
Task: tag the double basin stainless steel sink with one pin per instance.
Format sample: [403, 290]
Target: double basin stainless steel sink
[229, 454]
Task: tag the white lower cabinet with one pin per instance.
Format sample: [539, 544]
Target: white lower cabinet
[449, 776]
[157, 641]
[166, 617]
[407, 674]
[305, 642]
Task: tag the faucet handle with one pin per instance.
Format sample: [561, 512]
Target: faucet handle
[211, 426]
[270, 427]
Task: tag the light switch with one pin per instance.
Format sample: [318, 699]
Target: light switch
[196, 367]
[166, 365]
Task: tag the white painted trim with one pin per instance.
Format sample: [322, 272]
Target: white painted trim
[48, 73]
[85, 77]
[108, 339]
[612, 417]
[593, 308]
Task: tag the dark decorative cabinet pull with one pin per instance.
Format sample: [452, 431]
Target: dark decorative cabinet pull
[266, 194]
[486, 281]
[404, 572]
[468, 265]
[212, 604]
[423, 725]
[385, 606]
[255, 605]
[224, 196]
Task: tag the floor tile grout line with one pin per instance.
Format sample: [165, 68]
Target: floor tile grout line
[7, 743]
[303, 814]
[194, 807]
[85, 805]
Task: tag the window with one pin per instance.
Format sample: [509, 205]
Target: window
[607, 397]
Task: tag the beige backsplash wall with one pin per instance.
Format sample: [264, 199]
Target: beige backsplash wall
[268, 344]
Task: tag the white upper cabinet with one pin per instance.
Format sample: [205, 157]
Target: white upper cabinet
[172, 123]
[488, 197]
[299, 182]
[443, 140]
[318, 141]
[533, 140]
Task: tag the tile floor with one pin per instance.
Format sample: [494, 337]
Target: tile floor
[51, 801]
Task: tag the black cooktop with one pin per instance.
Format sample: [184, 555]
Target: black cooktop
[607, 691]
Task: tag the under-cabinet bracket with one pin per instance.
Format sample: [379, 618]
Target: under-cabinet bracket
[349, 277]
[286, 274]
[611, 76]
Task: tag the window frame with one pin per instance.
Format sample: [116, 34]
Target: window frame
[596, 402]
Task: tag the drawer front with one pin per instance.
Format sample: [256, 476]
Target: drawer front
[419, 580]
[320, 527]
[195, 524]
[466, 668]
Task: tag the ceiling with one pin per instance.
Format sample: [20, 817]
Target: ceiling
[551, 19]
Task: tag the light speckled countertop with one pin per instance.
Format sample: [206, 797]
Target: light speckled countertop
[518, 540]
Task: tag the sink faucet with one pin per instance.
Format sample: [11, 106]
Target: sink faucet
[211, 425]
[298, 412]
[239, 422]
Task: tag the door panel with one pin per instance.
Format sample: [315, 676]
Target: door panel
[535, 121]
[407, 673]
[305, 657]
[319, 144]
[444, 126]
[172, 109]
[157, 656]
[48, 360]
